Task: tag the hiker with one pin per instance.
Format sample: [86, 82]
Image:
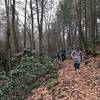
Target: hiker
[63, 54]
[77, 57]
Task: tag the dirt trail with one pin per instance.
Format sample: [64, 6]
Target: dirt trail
[69, 86]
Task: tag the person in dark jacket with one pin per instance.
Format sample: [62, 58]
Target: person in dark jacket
[63, 54]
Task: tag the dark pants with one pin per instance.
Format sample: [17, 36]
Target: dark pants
[63, 57]
[77, 66]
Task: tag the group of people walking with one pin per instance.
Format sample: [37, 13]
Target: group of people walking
[61, 54]
[76, 56]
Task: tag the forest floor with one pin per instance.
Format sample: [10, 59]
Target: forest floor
[70, 85]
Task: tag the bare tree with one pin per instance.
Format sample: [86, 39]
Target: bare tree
[8, 46]
[93, 20]
[25, 24]
[85, 16]
[16, 46]
[32, 24]
[81, 36]
[40, 25]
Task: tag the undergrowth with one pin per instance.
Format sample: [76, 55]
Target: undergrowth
[26, 74]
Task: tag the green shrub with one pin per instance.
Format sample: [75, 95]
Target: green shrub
[27, 73]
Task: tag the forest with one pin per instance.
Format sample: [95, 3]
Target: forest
[37, 41]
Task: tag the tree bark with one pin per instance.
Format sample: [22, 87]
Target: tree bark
[40, 27]
[25, 24]
[32, 25]
[93, 21]
[85, 15]
[63, 36]
[16, 45]
[8, 46]
[81, 36]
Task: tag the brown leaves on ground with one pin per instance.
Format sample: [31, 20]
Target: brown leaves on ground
[72, 86]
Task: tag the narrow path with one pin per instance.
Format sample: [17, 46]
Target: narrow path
[70, 86]
[79, 89]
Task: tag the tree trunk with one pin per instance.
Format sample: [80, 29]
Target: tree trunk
[8, 46]
[32, 24]
[69, 37]
[40, 28]
[93, 21]
[30, 36]
[85, 15]
[16, 46]
[25, 24]
[63, 36]
[81, 36]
